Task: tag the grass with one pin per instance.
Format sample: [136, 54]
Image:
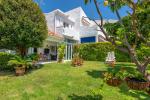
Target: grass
[64, 82]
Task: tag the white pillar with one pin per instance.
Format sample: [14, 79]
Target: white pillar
[66, 54]
[71, 51]
[57, 51]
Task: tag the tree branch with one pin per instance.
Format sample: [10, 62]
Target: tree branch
[147, 61]
[99, 13]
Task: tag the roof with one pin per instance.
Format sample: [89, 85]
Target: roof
[55, 37]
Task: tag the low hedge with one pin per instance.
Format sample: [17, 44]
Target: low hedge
[4, 58]
[98, 52]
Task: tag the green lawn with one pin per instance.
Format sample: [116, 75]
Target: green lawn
[64, 82]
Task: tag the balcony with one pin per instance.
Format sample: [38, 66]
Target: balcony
[67, 32]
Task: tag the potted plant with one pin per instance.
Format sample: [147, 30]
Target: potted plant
[77, 60]
[61, 53]
[19, 65]
[114, 76]
[137, 81]
[112, 63]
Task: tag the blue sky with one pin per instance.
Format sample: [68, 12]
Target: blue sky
[66, 5]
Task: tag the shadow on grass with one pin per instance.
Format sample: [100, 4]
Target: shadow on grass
[86, 97]
[4, 75]
[95, 73]
[30, 70]
[140, 95]
[7, 73]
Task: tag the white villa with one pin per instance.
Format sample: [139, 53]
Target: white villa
[69, 27]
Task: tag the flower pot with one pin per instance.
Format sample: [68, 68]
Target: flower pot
[112, 64]
[20, 71]
[114, 82]
[136, 84]
[77, 62]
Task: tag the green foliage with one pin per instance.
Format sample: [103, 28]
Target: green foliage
[116, 72]
[61, 52]
[143, 52]
[17, 61]
[120, 72]
[98, 52]
[4, 58]
[77, 60]
[22, 24]
[32, 57]
[86, 1]
[143, 25]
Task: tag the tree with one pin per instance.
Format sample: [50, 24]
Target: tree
[22, 25]
[130, 30]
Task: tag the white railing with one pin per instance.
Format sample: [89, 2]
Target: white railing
[66, 31]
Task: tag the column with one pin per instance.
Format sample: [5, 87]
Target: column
[66, 52]
[57, 51]
[71, 51]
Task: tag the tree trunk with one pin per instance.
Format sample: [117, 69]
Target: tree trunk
[142, 70]
[22, 51]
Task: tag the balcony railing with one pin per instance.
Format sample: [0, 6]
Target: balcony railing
[66, 31]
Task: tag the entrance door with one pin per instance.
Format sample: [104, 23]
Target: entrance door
[53, 53]
[46, 54]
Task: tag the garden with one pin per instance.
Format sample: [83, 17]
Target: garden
[90, 75]
[57, 81]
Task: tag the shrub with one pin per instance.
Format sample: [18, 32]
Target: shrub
[17, 61]
[77, 60]
[98, 52]
[4, 58]
[32, 57]
[61, 53]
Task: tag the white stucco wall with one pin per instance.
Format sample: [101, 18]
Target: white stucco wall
[50, 21]
[83, 31]
[74, 18]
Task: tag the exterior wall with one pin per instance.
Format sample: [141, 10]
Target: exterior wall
[89, 30]
[56, 20]
[77, 28]
[50, 21]
[75, 14]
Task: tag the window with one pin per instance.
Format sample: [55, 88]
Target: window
[65, 25]
[35, 50]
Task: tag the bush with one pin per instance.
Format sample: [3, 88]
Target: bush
[17, 61]
[4, 58]
[61, 52]
[32, 57]
[98, 52]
